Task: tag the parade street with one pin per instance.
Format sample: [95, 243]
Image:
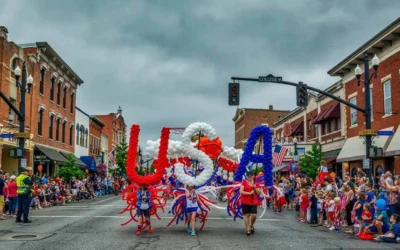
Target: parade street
[96, 225]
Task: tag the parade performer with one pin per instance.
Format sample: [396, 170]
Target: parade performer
[136, 197]
[143, 208]
[250, 192]
[191, 209]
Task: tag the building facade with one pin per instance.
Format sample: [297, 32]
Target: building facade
[95, 132]
[50, 105]
[385, 99]
[115, 128]
[82, 120]
[246, 119]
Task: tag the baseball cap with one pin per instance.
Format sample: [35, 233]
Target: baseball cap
[13, 177]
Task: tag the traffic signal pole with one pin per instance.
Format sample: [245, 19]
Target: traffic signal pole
[280, 81]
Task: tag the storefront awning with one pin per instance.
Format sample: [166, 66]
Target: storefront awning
[333, 112]
[281, 168]
[319, 116]
[89, 162]
[354, 147]
[52, 154]
[77, 160]
[329, 159]
[394, 145]
[298, 128]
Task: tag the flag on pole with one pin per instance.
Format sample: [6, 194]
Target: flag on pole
[111, 155]
[279, 155]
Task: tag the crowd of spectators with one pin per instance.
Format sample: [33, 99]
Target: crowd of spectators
[353, 205]
[48, 191]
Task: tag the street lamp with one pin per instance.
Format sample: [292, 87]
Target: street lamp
[367, 80]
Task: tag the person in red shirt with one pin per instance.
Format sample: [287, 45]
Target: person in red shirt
[305, 202]
[250, 192]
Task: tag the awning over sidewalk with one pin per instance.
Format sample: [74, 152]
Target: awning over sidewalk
[281, 168]
[354, 147]
[77, 160]
[89, 162]
[394, 145]
[52, 154]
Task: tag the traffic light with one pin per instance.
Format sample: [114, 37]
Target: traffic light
[301, 94]
[234, 94]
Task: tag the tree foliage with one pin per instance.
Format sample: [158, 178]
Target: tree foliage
[311, 161]
[120, 158]
[69, 169]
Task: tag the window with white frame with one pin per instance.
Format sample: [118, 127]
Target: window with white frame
[316, 130]
[353, 112]
[332, 124]
[338, 123]
[387, 97]
[326, 128]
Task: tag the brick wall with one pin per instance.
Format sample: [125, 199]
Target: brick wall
[309, 118]
[95, 138]
[113, 127]
[390, 66]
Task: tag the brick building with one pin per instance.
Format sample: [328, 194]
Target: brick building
[50, 106]
[95, 130]
[385, 95]
[320, 122]
[114, 129]
[246, 119]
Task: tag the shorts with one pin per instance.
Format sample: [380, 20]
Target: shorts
[373, 229]
[359, 217]
[249, 209]
[366, 224]
[297, 208]
[145, 213]
[2, 201]
[303, 210]
[191, 210]
[331, 216]
[319, 211]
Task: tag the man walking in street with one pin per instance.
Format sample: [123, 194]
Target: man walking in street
[24, 184]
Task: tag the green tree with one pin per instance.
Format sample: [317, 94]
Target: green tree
[311, 161]
[120, 158]
[69, 169]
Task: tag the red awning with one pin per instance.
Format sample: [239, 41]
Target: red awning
[319, 116]
[329, 159]
[298, 128]
[333, 112]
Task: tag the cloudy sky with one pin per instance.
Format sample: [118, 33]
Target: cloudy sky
[168, 63]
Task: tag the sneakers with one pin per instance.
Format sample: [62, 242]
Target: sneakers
[189, 229]
[332, 228]
[2, 218]
[138, 232]
[193, 233]
[151, 229]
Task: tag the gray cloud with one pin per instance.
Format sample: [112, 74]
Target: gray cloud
[168, 63]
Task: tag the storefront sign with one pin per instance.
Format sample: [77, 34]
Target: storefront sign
[22, 135]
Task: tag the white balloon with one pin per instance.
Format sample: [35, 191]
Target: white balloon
[225, 171]
[230, 178]
[230, 173]
[169, 174]
[220, 168]
[219, 173]
[225, 177]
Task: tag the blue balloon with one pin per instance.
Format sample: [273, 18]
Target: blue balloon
[381, 204]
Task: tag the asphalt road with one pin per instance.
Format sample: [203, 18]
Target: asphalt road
[96, 225]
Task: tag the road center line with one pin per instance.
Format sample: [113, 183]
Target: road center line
[94, 203]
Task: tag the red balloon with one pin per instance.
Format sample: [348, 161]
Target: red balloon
[211, 148]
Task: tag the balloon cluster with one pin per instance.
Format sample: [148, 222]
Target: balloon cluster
[212, 148]
[232, 153]
[226, 168]
[184, 160]
[159, 165]
[194, 153]
[174, 148]
[265, 159]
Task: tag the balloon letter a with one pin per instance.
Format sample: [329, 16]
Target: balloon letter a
[265, 158]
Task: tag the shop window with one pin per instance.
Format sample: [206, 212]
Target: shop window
[53, 79]
[65, 98]
[387, 94]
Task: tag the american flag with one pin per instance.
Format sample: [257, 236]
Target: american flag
[111, 155]
[278, 155]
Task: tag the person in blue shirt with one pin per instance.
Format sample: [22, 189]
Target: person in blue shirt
[370, 197]
[313, 206]
[394, 233]
[143, 209]
[380, 224]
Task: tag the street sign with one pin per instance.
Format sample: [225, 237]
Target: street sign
[22, 135]
[23, 162]
[6, 136]
[368, 132]
[270, 78]
[366, 164]
[385, 133]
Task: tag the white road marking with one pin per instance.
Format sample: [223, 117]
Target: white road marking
[126, 217]
[94, 203]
